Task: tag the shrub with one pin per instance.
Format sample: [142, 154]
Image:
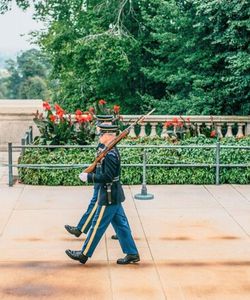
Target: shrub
[155, 175]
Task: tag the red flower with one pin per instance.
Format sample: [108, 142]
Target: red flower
[57, 107]
[83, 118]
[59, 111]
[52, 118]
[116, 109]
[180, 124]
[188, 120]
[78, 118]
[89, 117]
[92, 110]
[78, 112]
[175, 121]
[168, 124]
[102, 102]
[46, 105]
[213, 133]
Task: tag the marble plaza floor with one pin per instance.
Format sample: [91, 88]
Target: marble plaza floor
[193, 241]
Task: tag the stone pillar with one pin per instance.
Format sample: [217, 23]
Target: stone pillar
[208, 125]
[153, 130]
[247, 129]
[229, 130]
[132, 132]
[164, 133]
[240, 130]
[218, 128]
[198, 128]
[142, 131]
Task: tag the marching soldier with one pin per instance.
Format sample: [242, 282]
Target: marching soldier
[85, 221]
[109, 208]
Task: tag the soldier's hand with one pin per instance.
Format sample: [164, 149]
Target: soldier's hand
[83, 176]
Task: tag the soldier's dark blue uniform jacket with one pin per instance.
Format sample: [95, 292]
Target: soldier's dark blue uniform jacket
[99, 149]
[111, 191]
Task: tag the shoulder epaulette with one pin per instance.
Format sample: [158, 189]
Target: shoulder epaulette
[113, 153]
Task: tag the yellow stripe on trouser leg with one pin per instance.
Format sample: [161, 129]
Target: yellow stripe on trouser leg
[89, 217]
[94, 231]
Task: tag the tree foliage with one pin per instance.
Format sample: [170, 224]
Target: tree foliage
[201, 55]
[182, 56]
[28, 76]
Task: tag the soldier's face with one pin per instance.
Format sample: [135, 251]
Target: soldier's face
[106, 138]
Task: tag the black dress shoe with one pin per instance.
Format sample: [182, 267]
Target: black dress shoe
[114, 237]
[77, 255]
[129, 258]
[73, 230]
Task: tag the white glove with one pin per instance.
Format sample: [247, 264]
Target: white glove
[83, 176]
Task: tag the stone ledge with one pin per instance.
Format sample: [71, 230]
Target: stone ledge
[17, 107]
[15, 118]
[17, 115]
[205, 119]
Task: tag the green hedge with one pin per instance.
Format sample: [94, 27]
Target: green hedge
[133, 175]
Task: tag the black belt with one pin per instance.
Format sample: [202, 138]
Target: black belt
[109, 185]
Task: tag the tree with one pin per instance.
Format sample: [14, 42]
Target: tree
[28, 76]
[94, 54]
[181, 56]
[94, 50]
[201, 54]
[13, 81]
[33, 88]
[3, 88]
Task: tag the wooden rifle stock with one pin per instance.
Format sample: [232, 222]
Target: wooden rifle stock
[122, 135]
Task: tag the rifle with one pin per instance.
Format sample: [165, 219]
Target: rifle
[122, 135]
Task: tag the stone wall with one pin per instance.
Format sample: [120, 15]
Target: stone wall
[17, 115]
[15, 118]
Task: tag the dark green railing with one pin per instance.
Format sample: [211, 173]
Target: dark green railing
[217, 165]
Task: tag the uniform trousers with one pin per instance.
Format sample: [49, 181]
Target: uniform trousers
[86, 220]
[105, 215]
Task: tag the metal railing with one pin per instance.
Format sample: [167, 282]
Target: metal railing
[217, 165]
[27, 139]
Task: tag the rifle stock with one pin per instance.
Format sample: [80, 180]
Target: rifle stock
[90, 168]
[115, 141]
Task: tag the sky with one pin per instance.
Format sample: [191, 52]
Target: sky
[13, 24]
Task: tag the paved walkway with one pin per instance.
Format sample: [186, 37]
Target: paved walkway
[193, 242]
